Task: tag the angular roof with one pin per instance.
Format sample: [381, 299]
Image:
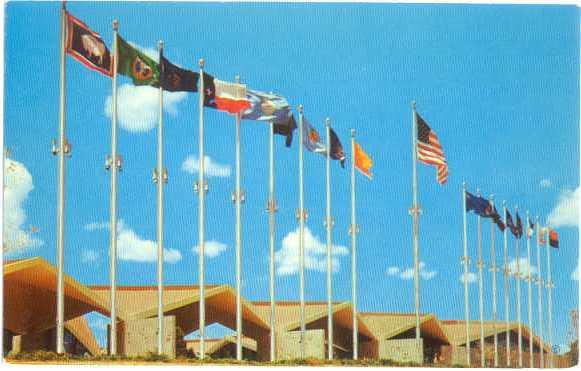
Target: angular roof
[214, 345]
[30, 296]
[80, 329]
[389, 325]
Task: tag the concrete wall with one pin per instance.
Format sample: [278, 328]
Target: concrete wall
[139, 337]
[288, 344]
[401, 350]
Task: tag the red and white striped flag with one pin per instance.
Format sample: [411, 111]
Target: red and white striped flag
[430, 150]
[230, 97]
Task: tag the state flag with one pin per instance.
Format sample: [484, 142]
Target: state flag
[174, 78]
[553, 238]
[225, 96]
[530, 230]
[484, 208]
[142, 69]
[429, 150]
[87, 46]
[363, 162]
[515, 229]
[337, 152]
[312, 139]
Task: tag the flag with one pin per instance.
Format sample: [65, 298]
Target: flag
[312, 139]
[337, 152]
[271, 107]
[174, 78]
[87, 46]
[363, 162]
[142, 69]
[530, 230]
[515, 229]
[225, 96]
[553, 238]
[430, 151]
[541, 236]
[484, 208]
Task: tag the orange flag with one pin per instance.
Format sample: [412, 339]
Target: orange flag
[363, 162]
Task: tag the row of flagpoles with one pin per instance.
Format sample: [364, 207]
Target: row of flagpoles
[484, 208]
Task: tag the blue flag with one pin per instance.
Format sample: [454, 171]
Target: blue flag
[483, 208]
[312, 139]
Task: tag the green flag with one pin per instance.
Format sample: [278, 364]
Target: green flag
[133, 63]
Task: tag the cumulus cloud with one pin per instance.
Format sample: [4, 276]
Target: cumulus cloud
[408, 273]
[211, 168]
[524, 266]
[471, 277]
[89, 256]
[287, 258]
[566, 212]
[545, 183]
[138, 106]
[96, 226]
[211, 249]
[17, 187]
[132, 247]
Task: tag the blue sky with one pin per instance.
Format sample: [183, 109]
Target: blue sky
[498, 84]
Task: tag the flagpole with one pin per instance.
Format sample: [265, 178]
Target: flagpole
[271, 237]
[353, 231]
[415, 211]
[201, 188]
[518, 297]
[238, 200]
[480, 265]
[550, 297]
[329, 225]
[60, 306]
[494, 270]
[540, 295]
[530, 293]
[301, 216]
[113, 164]
[161, 178]
[506, 286]
[466, 261]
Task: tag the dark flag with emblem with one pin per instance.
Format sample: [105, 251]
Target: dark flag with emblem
[87, 46]
[285, 128]
[337, 151]
[174, 78]
[484, 208]
[430, 151]
[530, 229]
[142, 69]
[515, 229]
[553, 238]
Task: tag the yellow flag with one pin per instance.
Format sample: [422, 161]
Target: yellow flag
[363, 162]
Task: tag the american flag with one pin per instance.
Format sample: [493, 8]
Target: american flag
[430, 150]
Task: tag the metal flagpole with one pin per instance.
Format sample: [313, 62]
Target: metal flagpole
[530, 293]
[506, 286]
[301, 216]
[540, 295]
[415, 212]
[238, 197]
[493, 270]
[466, 261]
[160, 178]
[113, 163]
[550, 297]
[329, 225]
[271, 239]
[60, 306]
[201, 187]
[480, 265]
[353, 231]
[518, 297]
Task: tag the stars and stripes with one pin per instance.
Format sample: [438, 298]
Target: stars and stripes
[430, 151]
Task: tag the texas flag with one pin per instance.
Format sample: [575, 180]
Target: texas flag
[225, 96]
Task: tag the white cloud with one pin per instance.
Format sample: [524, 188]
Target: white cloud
[524, 266]
[408, 273]
[566, 213]
[471, 277]
[138, 106]
[89, 256]
[545, 183]
[575, 274]
[17, 186]
[211, 249]
[212, 168]
[96, 226]
[131, 247]
[287, 258]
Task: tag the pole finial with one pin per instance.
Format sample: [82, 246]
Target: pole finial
[352, 133]
[201, 62]
[300, 108]
[115, 25]
[328, 122]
